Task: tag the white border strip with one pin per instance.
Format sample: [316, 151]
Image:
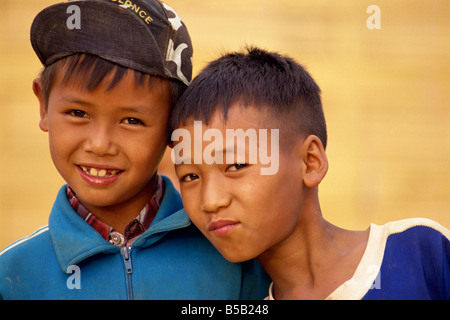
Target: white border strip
[36, 233]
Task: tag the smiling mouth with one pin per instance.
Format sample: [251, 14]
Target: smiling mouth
[100, 172]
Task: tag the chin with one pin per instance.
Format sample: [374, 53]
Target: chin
[234, 256]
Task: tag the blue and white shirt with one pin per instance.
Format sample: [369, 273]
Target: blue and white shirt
[407, 259]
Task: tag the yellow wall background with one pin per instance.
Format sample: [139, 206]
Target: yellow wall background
[385, 95]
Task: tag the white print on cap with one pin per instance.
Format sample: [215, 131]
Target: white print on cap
[171, 54]
[175, 22]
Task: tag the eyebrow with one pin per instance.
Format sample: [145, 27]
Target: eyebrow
[76, 100]
[223, 152]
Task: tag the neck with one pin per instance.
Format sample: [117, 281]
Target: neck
[119, 215]
[315, 259]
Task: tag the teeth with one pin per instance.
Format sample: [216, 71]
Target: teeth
[99, 172]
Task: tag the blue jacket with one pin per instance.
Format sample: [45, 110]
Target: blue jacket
[68, 259]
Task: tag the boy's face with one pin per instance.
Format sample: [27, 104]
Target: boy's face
[242, 212]
[107, 144]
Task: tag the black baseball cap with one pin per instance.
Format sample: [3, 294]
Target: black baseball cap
[144, 35]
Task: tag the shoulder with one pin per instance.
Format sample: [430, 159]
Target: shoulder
[20, 259]
[414, 255]
[25, 244]
[416, 232]
[416, 225]
[416, 238]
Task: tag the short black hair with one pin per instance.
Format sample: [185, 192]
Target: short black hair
[93, 69]
[261, 79]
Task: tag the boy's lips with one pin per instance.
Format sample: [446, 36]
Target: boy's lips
[222, 227]
[97, 175]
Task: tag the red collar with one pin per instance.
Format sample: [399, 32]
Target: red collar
[135, 228]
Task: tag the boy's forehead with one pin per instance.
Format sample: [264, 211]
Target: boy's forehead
[83, 79]
[243, 116]
[242, 120]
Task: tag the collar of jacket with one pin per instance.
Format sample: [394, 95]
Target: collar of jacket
[74, 240]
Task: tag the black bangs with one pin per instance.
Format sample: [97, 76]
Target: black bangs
[91, 70]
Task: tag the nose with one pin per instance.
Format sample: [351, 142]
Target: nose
[100, 141]
[214, 196]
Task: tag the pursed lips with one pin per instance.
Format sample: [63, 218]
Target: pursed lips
[222, 227]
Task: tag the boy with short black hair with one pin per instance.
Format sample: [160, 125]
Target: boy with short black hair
[117, 230]
[276, 217]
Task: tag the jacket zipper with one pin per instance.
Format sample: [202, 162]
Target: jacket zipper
[126, 253]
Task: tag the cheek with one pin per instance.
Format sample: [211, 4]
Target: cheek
[62, 143]
[274, 209]
[191, 205]
[62, 135]
[146, 150]
[146, 157]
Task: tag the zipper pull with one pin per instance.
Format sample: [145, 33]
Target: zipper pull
[127, 258]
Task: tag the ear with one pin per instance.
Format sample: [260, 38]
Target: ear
[37, 89]
[315, 162]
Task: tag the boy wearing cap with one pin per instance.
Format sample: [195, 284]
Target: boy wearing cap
[276, 217]
[117, 230]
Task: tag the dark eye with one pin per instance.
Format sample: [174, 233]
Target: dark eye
[132, 121]
[189, 177]
[78, 113]
[236, 167]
